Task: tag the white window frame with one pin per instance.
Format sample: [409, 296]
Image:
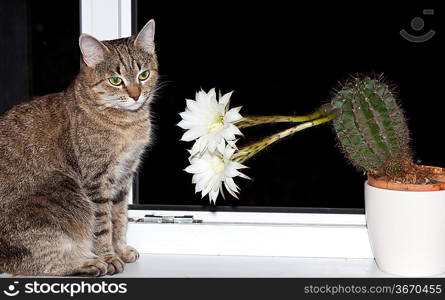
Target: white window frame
[229, 233]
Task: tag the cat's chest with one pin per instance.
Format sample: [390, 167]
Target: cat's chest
[125, 164]
[109, 158]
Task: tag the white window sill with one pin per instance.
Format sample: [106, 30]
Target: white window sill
[192, 266]
[250, 239]
[226, 266]
[251, 250]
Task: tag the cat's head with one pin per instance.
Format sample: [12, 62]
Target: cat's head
[122, 73]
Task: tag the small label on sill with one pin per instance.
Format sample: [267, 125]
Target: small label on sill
[170, 219]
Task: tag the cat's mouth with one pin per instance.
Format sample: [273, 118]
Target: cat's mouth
[131, 104]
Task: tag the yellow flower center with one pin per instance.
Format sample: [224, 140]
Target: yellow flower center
[217, 124]
[219, 166]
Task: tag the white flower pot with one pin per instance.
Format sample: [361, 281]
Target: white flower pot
[406, 230]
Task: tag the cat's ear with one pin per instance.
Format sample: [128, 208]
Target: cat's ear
[93, 51]
[146, 37]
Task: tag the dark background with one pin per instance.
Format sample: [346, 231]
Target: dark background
[39, 48]
[286, 59]
[278, 58]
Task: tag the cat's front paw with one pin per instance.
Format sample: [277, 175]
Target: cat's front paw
[94, 267]
[115, 264]
[128, 254]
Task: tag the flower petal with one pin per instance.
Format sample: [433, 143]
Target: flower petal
[191, 135]
[225, 99]
[233, 115]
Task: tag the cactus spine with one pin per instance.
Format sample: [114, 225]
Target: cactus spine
[371, 127]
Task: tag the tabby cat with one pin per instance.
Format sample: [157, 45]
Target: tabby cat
[67, 161]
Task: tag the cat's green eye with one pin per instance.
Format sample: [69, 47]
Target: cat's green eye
[115, 80]
[144, 75]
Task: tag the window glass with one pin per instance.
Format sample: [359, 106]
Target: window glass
[285, 59]
[40, 52]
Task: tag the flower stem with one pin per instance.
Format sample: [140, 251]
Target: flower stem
[250, 121]
[247, 152]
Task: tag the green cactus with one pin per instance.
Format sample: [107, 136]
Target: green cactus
[371, 127]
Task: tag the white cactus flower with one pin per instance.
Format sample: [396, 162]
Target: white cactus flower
[210, 122]
[213, 170]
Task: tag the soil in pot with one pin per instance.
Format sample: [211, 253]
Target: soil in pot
[410, 177]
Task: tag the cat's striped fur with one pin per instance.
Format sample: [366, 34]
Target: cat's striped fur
[67, 162]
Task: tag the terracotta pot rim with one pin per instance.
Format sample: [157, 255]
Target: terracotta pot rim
[395, 186]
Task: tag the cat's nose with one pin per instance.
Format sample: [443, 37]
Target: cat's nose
[134, 92]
